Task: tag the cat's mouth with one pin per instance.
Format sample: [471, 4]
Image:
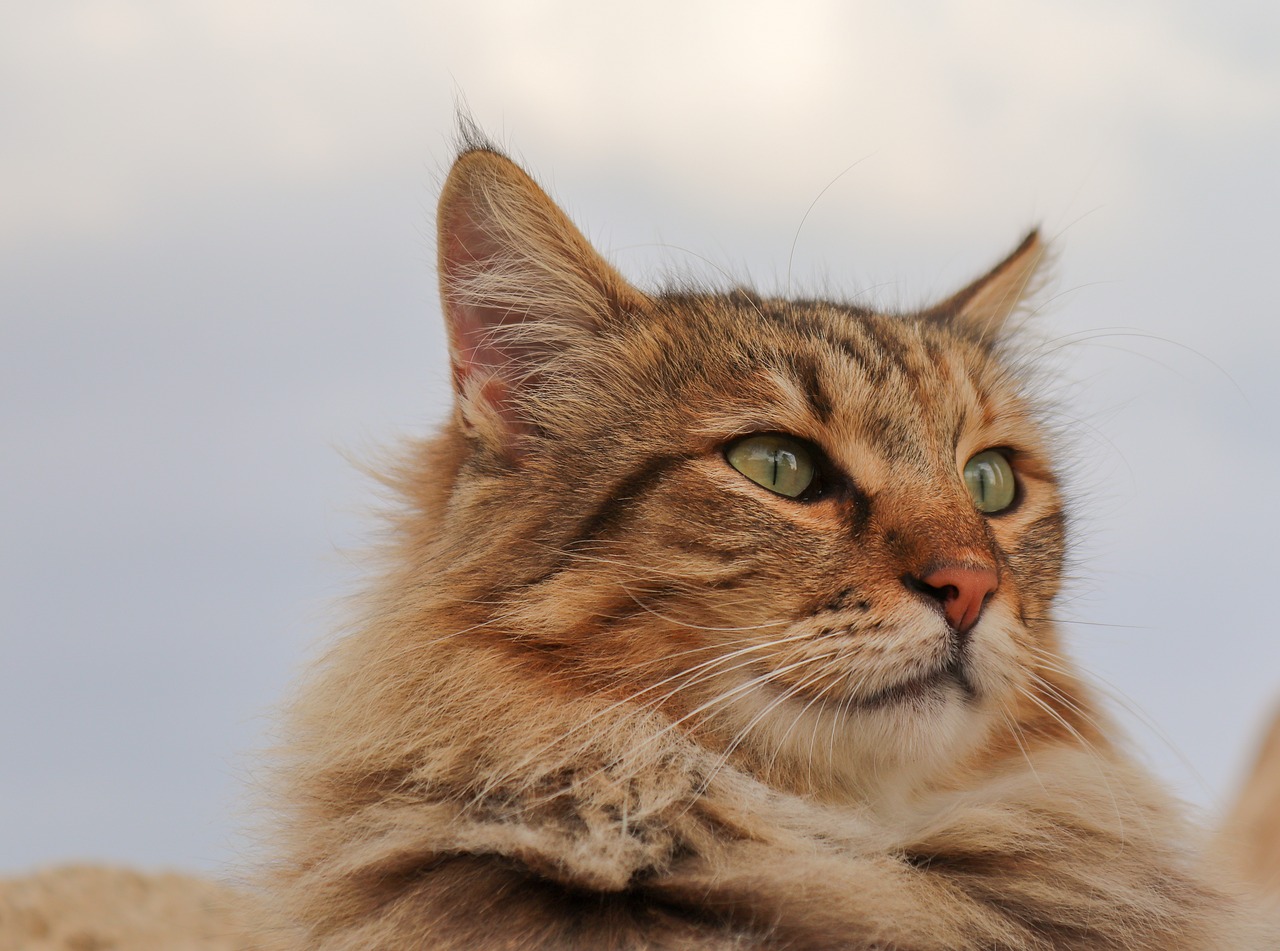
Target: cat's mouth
[915, 689]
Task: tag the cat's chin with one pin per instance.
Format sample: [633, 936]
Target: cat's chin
[883, 743]
[867, 749]
[933, 687]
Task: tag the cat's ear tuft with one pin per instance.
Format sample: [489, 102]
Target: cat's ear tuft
[519, 286]
[982, 309]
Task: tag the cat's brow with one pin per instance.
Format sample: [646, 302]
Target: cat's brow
[873, 370]
[806, 371]
[893, 349]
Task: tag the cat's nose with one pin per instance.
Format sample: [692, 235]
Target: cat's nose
[962, 590]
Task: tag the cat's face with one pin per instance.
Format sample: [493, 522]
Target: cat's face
[750, 514]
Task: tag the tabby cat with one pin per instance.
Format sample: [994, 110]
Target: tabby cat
[722, 621]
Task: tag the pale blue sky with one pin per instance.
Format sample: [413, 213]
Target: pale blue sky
[216, 282]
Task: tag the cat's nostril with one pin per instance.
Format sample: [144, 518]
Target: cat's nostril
[913, 583]
[961, 590]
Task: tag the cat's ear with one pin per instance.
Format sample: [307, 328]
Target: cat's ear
[982, 309]
[519, 285]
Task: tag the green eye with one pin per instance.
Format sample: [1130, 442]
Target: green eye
[779, 463]
[989, 478]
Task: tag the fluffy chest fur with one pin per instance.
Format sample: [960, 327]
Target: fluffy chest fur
[719, 621]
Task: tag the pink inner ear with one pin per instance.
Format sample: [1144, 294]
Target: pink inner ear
[466, 249]
[471, 338]
[483, 367]
[484, 372]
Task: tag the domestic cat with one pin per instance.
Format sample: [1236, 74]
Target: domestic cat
[722, 621]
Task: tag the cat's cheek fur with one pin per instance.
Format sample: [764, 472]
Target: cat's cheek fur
[1002, 656]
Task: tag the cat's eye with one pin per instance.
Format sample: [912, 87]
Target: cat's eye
[989, 478]
[781, 464]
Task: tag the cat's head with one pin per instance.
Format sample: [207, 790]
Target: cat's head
[826, 540]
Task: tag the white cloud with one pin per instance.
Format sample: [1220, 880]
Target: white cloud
[953, 103]
[125, 106]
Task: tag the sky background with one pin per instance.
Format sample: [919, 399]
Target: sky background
[217, 295]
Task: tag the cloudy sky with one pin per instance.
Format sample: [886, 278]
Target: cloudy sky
[217, 297]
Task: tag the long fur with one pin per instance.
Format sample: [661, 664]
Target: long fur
[610, 694]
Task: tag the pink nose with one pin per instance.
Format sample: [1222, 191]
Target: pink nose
[963, 591]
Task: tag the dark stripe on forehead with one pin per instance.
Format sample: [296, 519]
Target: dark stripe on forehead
[841, 328]
[805, 369]
[870, 368]
[874, 347]
[958, 433]
[875, 343]
[889, 344]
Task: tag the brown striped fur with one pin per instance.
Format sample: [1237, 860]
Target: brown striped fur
[610, 694]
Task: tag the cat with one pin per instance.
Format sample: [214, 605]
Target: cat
[722, 621]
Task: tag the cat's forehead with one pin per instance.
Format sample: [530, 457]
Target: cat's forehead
[844, 356]
[893, 387]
